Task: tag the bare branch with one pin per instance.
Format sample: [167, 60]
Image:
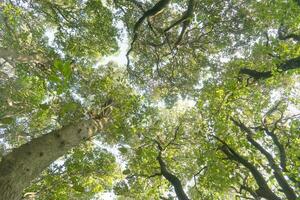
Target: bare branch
[156, 9]
[174, 138]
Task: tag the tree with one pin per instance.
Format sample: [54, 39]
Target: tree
[48, 88]
[207, 106]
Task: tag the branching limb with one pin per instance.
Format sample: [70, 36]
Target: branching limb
[185, 20]
[197, 174]
[250, 191]
[246, 188]
[280, 147]
[173, 179]
[286, 188]
[185, 17]
[174, 138]
[156, 9]
[264, 190]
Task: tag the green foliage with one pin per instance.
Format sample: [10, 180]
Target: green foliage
[183, 96]
[81, 174]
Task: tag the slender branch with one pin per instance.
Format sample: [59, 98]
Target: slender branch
[250, 191]
[174, 138]
[274, 137]
[155, 10]
[287, 189]
[185, 19]
[246, 188]
[263, 190]
[195, 177]
[282, 154]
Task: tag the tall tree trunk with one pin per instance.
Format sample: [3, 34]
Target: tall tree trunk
[24, 164]
[6, 53]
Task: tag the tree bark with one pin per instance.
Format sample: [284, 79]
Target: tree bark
[263, 189]
[174, 180]
[24, 164]
[293, 63]
[286, 188]
[15, 56]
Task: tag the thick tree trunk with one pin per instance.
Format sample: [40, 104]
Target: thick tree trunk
[24, 164]
[15, 56]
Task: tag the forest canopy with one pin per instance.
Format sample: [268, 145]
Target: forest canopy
[150, 99]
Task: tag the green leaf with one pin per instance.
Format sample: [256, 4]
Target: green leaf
[44, 106]
[126, 171]
[7, 120]
[58, 65]
[54, 78]
[66, 70]
[69, 107]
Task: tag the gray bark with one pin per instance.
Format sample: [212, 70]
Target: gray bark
[12, 54]
[24, 164]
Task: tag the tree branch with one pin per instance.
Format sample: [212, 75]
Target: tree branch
[174, 180]
[174, 137]
[185, 17]
[185, 20]
[287, 189]
[283, 35]
[156, 9]
[263, 190]
[290, 64]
